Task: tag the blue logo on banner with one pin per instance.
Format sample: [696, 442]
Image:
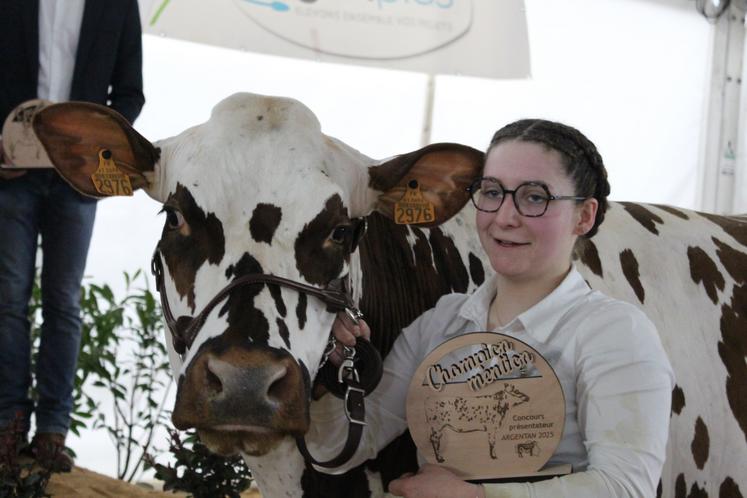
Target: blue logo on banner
[276, 5]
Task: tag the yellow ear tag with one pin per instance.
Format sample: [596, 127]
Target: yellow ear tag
[108, 179]
[413, 208]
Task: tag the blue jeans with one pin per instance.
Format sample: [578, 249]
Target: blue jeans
[41, 203]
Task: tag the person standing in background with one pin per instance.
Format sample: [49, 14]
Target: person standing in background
[57, 50]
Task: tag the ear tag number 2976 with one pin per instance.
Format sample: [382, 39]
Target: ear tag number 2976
[108, 179]
[413, 208]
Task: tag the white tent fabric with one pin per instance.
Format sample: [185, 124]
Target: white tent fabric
[431, 36]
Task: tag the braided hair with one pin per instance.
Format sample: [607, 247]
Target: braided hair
[580, 157]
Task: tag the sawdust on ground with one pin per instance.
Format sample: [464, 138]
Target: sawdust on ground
[83, 483]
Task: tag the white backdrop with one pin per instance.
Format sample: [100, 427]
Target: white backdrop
[631, 74]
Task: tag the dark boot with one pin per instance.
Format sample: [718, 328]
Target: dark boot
[50, 452]
[13, 440]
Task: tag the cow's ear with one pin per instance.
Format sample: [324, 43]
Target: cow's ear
[428, 186]
[95, 149]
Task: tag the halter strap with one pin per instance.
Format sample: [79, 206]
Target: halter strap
[185, 328]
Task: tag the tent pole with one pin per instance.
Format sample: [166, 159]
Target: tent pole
[718, 162]
[430, 94]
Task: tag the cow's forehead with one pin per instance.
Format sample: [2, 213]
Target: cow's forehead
[260, 150]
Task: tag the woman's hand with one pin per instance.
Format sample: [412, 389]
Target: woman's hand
[346, 332]
[433, 481]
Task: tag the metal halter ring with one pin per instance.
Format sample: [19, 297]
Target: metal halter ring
[354, 314]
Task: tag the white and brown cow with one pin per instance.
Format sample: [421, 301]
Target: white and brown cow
[259, 189]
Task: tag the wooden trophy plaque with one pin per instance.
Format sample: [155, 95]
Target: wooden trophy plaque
[487, 406]
[21, 147]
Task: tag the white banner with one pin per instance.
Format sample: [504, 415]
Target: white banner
[485, 38]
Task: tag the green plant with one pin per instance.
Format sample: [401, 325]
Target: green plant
[122, 351]
[200, 472]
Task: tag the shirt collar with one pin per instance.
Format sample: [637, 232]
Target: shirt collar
[540, 320]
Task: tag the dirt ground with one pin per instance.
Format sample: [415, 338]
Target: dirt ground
[82, 483]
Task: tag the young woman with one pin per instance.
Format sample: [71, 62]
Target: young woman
[543, 186]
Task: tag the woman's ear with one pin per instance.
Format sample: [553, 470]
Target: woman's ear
[587, 214]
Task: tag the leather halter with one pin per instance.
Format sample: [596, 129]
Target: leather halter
[185, 328]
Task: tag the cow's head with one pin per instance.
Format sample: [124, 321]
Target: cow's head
[256, 189]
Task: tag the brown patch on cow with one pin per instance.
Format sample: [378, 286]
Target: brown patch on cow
[643, 216]
[265, 220]
[476, 270]
[630, 269]
[697, 492]
[185, 254]
[674, 211]
[703, 269]
[680, 487]
[701, 444]
[589, 255]
[678, 399]
[729, 489]
[283, 331]
[278, 298]
[301, 310]
[733, 260]
[733, 225]
[448, 261]
[733, 349]
[245, 321]
[317, 259]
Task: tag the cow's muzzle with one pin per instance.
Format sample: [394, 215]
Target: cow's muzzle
[242, 398]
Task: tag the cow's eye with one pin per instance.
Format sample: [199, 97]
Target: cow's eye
[340, 234]
[174, 218]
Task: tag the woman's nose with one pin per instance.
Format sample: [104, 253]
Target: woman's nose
[507, 214]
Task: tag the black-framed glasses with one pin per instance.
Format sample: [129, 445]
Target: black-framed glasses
[530, 198]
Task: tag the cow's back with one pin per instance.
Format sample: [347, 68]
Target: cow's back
[688, 272]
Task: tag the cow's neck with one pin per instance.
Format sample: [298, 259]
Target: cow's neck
[401, 278]
[278, 473]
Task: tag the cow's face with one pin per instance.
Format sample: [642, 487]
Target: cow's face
[258, 189]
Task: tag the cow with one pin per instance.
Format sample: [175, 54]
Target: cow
[471, 414]
[259, 189]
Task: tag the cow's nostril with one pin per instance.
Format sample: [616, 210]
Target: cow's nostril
[213, 381]
[278, 384]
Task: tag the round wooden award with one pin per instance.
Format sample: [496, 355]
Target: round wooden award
[21, 147]
[487, 406]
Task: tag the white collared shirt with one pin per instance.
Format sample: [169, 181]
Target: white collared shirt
[59, 32]
[615, 375]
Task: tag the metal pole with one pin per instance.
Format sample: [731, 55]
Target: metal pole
[718, 165]
[430, 94]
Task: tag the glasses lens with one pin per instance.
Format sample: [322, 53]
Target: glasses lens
[532, 199]
[488, 195]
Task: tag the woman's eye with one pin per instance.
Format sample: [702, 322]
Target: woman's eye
[339, 234]
[537, 198]
[493, 193]
[174, 219]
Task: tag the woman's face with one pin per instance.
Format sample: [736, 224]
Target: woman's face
[525, 249]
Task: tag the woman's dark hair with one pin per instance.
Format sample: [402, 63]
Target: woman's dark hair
[582, 161]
